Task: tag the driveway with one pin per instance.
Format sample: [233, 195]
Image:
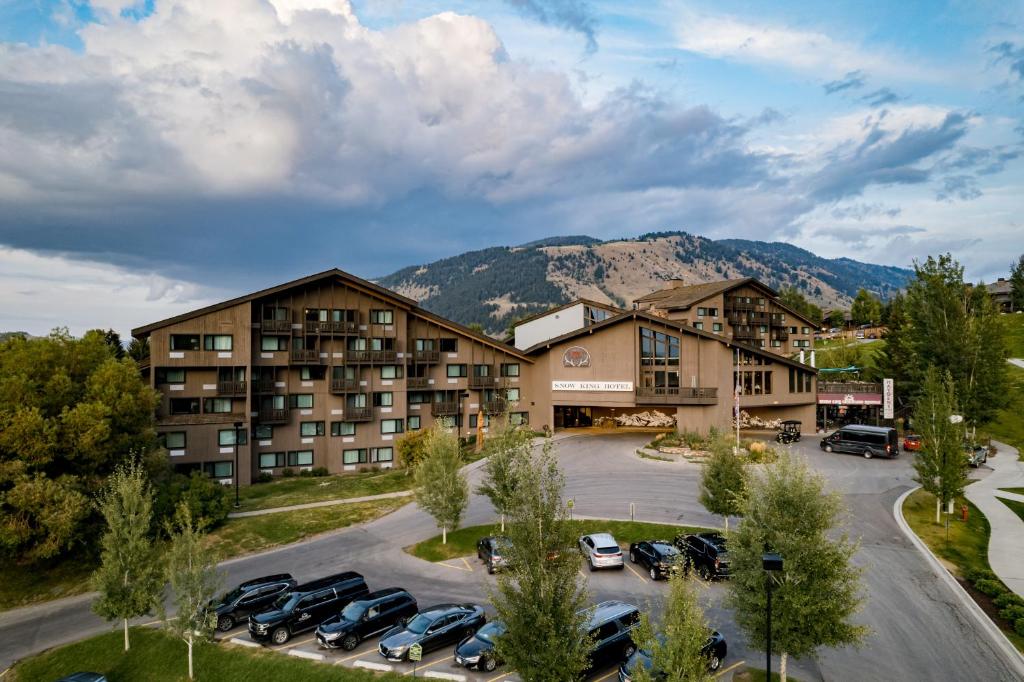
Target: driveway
[919, 629]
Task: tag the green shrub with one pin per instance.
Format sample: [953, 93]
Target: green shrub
[411, 448]
[1018, 627]
[990, 587]
[319, 471]
[305, 473]
[693, 440]
[1012, 613]
[206, 498]
[264, 477]
[288, 473]
[1008, 599]
[980, 574]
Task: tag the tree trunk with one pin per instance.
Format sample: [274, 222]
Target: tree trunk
[938, 510]
[502, 523]
[126, 645]
[444, 535]
[726, 524]
[190, 656]
[782, 666]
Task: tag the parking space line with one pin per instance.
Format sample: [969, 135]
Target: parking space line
[634, 572]
[606, 676]
[580, 571]
[424, 666]
[499, 677]
[731, 667]
[457, 568]
[301, 641]
[470, 568]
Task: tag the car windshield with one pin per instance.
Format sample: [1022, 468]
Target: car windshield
[354, 611]
[490, 631]
[666, 549]
[286, 601]
[232, 595]
[419, 624]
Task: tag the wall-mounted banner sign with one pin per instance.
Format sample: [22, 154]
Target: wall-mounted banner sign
[591, 385]
[576, 356]
[887, 398]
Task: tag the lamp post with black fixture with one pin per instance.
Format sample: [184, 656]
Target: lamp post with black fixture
[771, 563]
[238, 427]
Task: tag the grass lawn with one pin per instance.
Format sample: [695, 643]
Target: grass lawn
[1008, 426]
[299, 490]
[758, 675]
[463, 541]
[1015, 506]
[867, 356]
[1014, 334]
[1019, 491]
[966, 551]
[22, 585]
[254, 533]
[158, 657]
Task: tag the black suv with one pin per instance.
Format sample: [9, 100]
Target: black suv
[306, 606]
[433, 628]
[611, 625]
[705, 553]
[477, 650]
[250, 597]
[659, 557]
[714, 651]
[371, 615]
[493, 550]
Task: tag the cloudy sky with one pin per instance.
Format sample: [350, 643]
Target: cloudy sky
[161, 154]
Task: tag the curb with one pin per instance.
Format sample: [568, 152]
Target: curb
[305, 654]
[322, 503]
[999, 639]
[245, 642]
[370, 665]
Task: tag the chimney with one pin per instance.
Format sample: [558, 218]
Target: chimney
[673, 283]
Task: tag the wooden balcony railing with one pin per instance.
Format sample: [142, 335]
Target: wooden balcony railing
[476, 382]
[381, 357]
[331, 327]
[306, 356]
[734, 304]
[276, 326]
[344, 385]
[273, 416]
[426, 356]
[416, 383]
[263, 386]
[496, 406]
[444, 409]
[676, 396]
[231, 388]
[358, 414]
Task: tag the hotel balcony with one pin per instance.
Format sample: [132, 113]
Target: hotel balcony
[676, 396]
[331, 327]
[263, 386]
[744, 333]
[273, 416]
[231, 388]
[306, 356]
[358, 414]
[444, 409]
[377, 357]
[496, 406]
[478, 383]
[164, 419]
[426, 357]
[344, 385]
[276, 326]
[733, 304]
[417, 383]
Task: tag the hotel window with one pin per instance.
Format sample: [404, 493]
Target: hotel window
[301, 458]
[263, 432]
[753, 382]
[383, 399]
[593, 315]
[510, 369]
[712, 312]
[512, 394]
[275, 313]
[448, 345]
[391, 426]
[300, 400]
[355, 400]
[184, 341]
[356, 343]
[226, 437]
[343, 428]
[356, 456]
[792, 330]
[701, 312]
[382, 454]
[760, 301]
[170, 376]
[382, 317]
[417, 397]
[378, 343]
[482, 370]
[173, 440]
[776, 343]
[698, 325]
[519, 418]
[424, 344]
[316, 315]
[801, 343]
[763, 329]
[659, 359]
[343, 315]
[805, 330]
[307, 429]
[218, 469]
[217, 405]
[217, 342]
[391, 372]
[474, 420]
[271, 460]
[273, 343]
[413, 422]
[449, 421]
[312, 373]
[455, 371]
[716, 326]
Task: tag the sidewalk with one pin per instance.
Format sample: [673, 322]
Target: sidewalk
[1006, 542]
[323, 503]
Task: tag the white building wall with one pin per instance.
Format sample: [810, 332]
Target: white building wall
[549, 326]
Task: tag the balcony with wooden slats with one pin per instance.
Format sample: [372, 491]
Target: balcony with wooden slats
[331, 327]
[344, 386]
[276, 326]
[444, 409]
[306, 356]
[417, 383]
[367, 357]
[273, 416]
[676, 395]
[479, 382]
[262, 386]
[426, 357]
[231, 388]
[496, 406]
[358, 414]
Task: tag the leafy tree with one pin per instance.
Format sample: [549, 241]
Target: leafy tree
[899, 362]
[129, 578]
[138, 349]
[940, 463]
[207, 500]
[507, 450]
[791, 297]
[194, 581]
[787, 510]
[412, 448]
[722, 481]
[675, 651]
[539, 597]
[866, 309]
[441, 488]
[112, 339]
[1017, 285]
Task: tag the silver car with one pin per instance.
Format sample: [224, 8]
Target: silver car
[601, 551]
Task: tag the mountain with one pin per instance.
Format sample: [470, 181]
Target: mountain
[494, 286]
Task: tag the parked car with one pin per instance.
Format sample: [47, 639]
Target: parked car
[433, 628]
[705, 553]
[601, 551]
[976, 455]
[714, 651]
[249, 597]
[611, 625]
[911, 442]
[84, 677]
[477, 650]
[659, 557]
[857, 439]
[306, 606]
[371, 615]
[492, 550]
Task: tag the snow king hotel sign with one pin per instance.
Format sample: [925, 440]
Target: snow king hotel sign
[578, 356]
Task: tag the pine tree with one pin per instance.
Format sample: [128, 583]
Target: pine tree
[441, 488]
[940, 463]
[1017, 285]
[194, 581]
[722, 481]
[675, 651]
[787, 510]
[129, 578]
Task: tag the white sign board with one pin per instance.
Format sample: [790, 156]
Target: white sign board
[887, 398]
[624, 386]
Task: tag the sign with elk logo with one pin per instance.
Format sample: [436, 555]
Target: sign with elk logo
[576, 356]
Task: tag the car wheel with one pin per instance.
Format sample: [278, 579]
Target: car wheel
[704, 572]
[280, 635]
[715, 662]
[654, 574]
[632, 558]
[490, 568]
[867, 454]
[350, 642]
[592, 567]
[828, 448]
[488, 664]
[225, 623]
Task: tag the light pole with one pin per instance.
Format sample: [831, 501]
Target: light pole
[770, 562]
[238, 427]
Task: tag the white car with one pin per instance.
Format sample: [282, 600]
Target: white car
[601, 551]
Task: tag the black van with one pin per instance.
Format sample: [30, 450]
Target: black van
[869, 441]
[306, 607]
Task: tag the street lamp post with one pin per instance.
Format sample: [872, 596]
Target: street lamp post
[771, 563]
[238, 427]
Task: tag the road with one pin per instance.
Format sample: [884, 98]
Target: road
[919, 629]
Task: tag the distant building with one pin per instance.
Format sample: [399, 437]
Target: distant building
[1001, 293]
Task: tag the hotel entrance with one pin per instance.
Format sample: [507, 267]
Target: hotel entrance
[569, 416]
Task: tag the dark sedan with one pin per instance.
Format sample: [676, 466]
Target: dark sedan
[714, 651]
[371, 615]
[659, 558]
[477, 650]
[433, 628]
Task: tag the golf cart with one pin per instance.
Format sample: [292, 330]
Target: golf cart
[789, 431]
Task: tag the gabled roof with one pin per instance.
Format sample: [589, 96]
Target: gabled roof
[675, 324]
[585, 301]
[334, 273]
[683, 297]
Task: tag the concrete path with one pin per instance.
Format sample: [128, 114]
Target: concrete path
[1016, 361]
[1006, 543]
[322, 503]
